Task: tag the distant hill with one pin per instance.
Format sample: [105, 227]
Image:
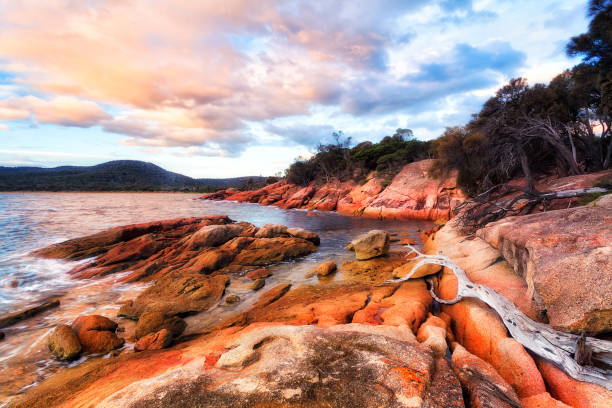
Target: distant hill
[118, 175]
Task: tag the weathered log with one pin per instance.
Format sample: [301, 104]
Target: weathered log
[563, 349]
[494, 204]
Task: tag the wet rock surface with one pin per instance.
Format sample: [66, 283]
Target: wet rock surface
[64, 343]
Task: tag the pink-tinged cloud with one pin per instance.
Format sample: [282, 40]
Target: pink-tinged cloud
[174, 71]
[60, 110]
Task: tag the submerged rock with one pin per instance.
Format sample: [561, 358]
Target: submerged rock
[231, 299]
[371, 244]
[64, 343]
[15, 317]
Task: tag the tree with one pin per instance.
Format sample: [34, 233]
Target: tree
[595, 47]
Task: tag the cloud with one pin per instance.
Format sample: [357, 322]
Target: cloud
[302, 134]
[60, 110]
[466, 68]
[4, 126]
[196, 80]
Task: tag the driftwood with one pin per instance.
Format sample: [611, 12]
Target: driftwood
[567, 351]
[493, 205]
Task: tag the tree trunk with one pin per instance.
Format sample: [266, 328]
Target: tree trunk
[526, 171]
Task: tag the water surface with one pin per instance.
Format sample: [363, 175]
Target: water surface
[29, 221]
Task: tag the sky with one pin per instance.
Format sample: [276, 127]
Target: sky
[240, 87]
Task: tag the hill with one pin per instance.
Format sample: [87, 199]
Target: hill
[118, 175]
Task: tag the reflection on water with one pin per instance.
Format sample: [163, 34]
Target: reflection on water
[33, 220]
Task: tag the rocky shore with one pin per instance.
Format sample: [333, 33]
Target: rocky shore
[357, 340]
[412, 194]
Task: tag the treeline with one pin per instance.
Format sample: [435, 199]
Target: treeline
[338, 160]
[543, 129]
[562, 128]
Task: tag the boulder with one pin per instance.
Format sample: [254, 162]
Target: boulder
[287, 366]
[304, 234]
[213, 235]
[96, 333]
[271, 231]
[154, 341]
[414, 195]
[370, 245]
[151, 322]
[64, 343]
[565, 256]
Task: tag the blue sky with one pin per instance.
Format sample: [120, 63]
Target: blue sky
[232, 88]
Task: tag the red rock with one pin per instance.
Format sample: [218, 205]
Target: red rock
[258, 273]
[96, 333]
[572, 392]
[543, 400]
[484, 386]
[432, 333]
[413, 195]
[154, 341]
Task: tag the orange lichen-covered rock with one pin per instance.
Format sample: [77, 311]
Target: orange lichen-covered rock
[411, 195]
[432, 334]
[543, 400]
[484, 386]
[414, 195]
[354, 202]
[572, 392]
[266, 365]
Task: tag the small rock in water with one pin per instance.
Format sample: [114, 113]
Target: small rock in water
[64, 343]
[231, 299]
[370, 245]
[258, 273]
[258, 284]
[326, 268]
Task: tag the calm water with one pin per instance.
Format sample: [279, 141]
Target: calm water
[30, 221]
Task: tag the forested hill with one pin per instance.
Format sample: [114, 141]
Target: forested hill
[119, 175]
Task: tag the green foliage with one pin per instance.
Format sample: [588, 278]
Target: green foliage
[337, 160]
[589, 198]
